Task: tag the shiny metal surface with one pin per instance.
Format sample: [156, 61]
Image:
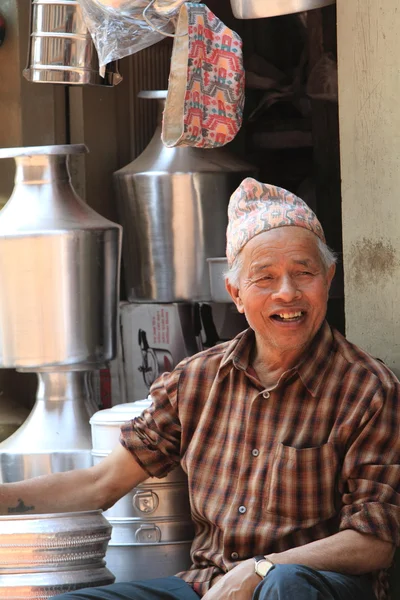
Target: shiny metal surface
[258, 9]
[45, 555]
[59, 269]
[158, 501]
[150, 531]
[44, 585]
[217, 267]
[106, 425]
[173, 203]
[130, 562]
[61, 48]
[56, 435]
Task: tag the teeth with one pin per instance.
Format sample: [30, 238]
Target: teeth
[290, 315]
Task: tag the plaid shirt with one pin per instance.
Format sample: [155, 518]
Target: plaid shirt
[273, 469]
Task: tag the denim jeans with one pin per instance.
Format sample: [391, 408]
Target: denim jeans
[283, 582]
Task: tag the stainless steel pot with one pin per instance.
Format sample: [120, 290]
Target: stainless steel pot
[61, 48]
[45, 555]
[56, 435]
[59, 269]
[106, 425]
[173, 204]
[132, 562]
[156, 498]
[152, 523]
[257, 9]
[217, 267]
[150, 531]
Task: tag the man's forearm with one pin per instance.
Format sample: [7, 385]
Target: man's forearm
[97, 487]
[61, 492]
[348, 552]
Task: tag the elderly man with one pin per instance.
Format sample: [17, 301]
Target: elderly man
[288, 435]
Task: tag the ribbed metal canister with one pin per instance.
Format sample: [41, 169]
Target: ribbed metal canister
[45, 555]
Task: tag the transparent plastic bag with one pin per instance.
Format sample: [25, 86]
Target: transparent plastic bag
[119, 28]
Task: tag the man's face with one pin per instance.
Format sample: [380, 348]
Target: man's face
[283, 288]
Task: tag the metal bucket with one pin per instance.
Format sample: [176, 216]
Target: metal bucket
[45, 555]
[61, 48]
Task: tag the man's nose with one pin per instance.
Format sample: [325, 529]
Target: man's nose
[286, 289]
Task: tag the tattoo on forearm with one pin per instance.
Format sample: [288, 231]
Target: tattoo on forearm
[20, 508]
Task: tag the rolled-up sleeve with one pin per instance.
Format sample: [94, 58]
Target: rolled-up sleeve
[371, 470]
[154, 437]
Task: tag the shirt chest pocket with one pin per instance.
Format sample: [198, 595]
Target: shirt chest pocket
[301, 483]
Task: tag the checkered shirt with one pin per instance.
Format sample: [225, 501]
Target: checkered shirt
[273, 469]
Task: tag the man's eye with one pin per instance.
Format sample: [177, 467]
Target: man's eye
[306, 273]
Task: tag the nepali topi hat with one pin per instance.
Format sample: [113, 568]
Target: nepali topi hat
[256, 207]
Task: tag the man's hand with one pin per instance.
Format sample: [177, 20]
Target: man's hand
[238, 584]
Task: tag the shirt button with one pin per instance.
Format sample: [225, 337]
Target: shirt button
[242, 509]
[255, 452]
[234, 556]
[266, 394]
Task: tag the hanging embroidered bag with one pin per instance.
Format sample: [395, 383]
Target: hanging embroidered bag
[204, 106]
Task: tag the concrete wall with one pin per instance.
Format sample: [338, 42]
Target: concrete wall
[369, 115]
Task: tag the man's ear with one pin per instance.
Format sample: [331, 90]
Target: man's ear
[234, 293]
[330, 274]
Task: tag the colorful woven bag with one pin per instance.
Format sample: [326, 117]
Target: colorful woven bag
[204, 106]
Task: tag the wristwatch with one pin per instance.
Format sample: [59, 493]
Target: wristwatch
[262, 565]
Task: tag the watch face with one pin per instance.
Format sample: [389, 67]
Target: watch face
[262, 567]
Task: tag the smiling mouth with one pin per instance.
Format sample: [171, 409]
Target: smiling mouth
[288, 317]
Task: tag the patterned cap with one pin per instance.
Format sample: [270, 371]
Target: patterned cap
[257, 207]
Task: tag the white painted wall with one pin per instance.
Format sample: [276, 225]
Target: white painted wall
[369, 116]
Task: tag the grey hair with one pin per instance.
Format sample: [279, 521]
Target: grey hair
[327, 256]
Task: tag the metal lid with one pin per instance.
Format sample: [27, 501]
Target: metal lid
[120, 413]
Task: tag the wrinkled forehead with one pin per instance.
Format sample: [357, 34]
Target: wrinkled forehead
[291, 243]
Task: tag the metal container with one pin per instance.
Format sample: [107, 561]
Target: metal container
[152, 523]
[46, 555]
[61, 48]
[106, 424]
[158, 498]
[134, 562]
[56, 435]
[217, 267]
[258, 9]
[173, 204]
[150, 531]
[59, 269]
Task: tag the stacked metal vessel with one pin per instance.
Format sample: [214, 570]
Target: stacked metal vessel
[59, 273]
[151, 524]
